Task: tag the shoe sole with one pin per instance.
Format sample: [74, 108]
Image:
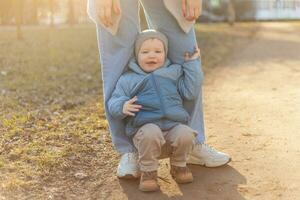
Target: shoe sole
[148, 190]
[182, 182]
[128, 176]
[209, 166]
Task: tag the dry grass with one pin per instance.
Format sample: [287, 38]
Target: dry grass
[54, 141]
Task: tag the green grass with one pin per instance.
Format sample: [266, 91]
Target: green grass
[52, 120]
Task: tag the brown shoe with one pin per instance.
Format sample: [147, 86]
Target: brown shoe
[181, 174]
[148, 182]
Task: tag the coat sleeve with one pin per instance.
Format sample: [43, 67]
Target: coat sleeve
[118, 98]
[190, 82]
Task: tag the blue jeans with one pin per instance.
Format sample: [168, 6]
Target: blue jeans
[115, 52]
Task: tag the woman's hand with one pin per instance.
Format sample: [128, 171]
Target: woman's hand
[196, 54]
[129, 108]
[191, 9]
[104, 9]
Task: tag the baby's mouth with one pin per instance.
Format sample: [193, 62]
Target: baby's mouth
[151, 63]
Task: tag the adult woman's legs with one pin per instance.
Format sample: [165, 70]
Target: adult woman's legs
[179, 42]
[115, 52]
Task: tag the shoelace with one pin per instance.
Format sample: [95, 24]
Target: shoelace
[206, 146]
[152, 175]
[209, 148]
[131, 156]
[181, 169]
[149, 175]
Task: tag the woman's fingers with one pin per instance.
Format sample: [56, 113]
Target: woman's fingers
[108, 17]
[117, 7]
[192, 9]
[183, 6]
[191, 16]
[101, 7]
[197, 12]
[101, 17]
[186, 56]
[105, 9]
[104, 15]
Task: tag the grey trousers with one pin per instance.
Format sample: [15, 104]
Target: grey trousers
[152, 144]
[115, 52]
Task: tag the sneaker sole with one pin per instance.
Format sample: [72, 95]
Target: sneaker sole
[193, 162]
[149, 190]
[128, 176]
[182, 182]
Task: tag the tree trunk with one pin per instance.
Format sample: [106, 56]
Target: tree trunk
[19, 16]
[51, 6]
[71, 15]
[7, 11]
[230, 13]
[34, 12]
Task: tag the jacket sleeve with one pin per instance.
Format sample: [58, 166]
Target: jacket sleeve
[190, 82]
[117, 99]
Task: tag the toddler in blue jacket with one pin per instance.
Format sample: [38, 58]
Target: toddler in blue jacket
[149, 98]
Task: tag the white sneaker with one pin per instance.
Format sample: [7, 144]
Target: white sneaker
[128, 166]
[202, 154]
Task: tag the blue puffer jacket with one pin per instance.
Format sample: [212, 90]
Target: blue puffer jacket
[160, 93]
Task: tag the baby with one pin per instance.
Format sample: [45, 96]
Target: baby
[149, 98]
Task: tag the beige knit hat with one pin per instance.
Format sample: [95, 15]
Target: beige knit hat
[150, 34]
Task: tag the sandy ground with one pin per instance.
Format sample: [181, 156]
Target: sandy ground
[252, 112]
[252, 109]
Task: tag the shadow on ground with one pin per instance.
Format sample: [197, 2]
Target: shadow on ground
[209, 183]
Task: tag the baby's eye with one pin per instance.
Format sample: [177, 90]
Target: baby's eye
[158, 51]
[144, 52]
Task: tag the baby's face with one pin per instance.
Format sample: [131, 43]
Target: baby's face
[151, 55]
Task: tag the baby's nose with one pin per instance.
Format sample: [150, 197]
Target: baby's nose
[152, 55]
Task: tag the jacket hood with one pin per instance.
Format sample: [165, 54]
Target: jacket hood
[133, 65]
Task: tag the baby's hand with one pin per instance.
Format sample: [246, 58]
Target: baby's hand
[129, 108]
[193, 56]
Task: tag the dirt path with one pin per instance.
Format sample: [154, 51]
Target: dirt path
[252, 108]
[253, 112]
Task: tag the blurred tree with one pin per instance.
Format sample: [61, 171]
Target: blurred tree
[34, 18]
[244, 10]
[6, 12]
[71, 13]
[19, 17]
[47, 8]
[43, 11]
[51, 8]
[230, 13]
[80, 11]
